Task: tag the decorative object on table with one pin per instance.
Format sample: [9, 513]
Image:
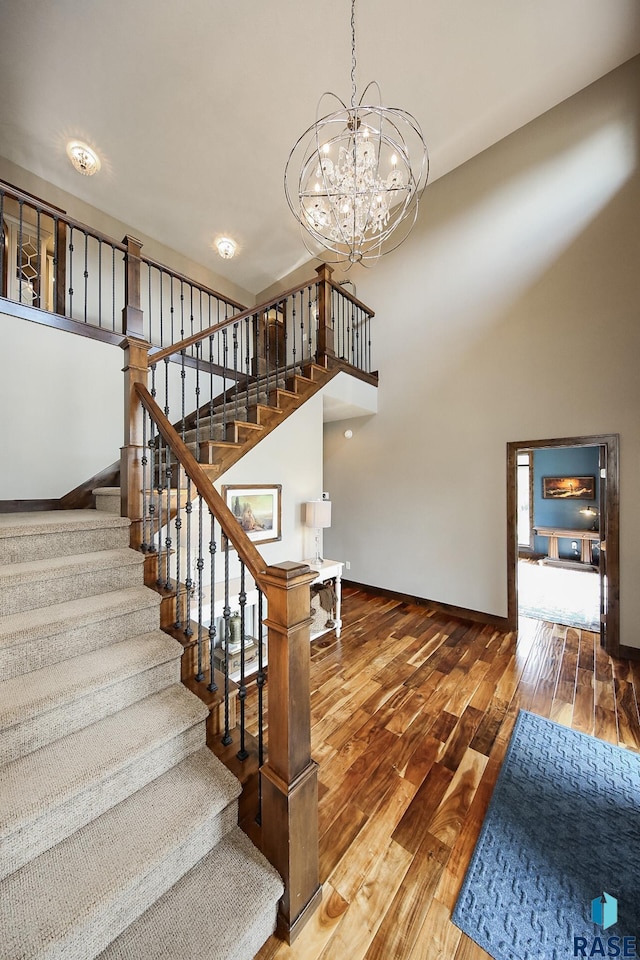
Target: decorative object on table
[257, 508]
[323, 606]
[559, 595]
[235, 631]
[356, 175]
[318, 515]
[568, 488]
[563, 827]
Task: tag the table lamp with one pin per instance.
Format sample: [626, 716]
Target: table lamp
[318, 515]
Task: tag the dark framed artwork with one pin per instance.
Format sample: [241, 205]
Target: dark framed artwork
[257, 508]
[569, 488]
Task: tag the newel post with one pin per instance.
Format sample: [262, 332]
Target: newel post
[290, 777]
[325, 345]
[135, 371]
[132, 317]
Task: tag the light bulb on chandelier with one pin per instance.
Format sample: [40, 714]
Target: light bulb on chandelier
[361, 171]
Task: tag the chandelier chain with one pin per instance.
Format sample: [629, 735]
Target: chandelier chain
[353, 54]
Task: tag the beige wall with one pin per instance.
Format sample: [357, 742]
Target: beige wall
[511, 313]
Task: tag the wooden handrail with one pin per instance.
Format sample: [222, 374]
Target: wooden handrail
[210, 331]
[349, 296]
[247, 552]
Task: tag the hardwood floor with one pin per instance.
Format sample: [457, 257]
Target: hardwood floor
[412, 712]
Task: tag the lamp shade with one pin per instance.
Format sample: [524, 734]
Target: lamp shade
[318, 513]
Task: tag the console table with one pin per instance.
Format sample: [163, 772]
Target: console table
[329, 570]
[586, 537]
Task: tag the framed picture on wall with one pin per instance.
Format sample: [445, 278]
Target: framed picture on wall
[569, 488]
[257, 509]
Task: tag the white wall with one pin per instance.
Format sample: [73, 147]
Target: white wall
[291, 456]
[511, 313]
[61, 409]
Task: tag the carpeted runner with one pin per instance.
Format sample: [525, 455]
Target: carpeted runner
[562, 828]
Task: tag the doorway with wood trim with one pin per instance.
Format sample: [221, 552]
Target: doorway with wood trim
[608, 523]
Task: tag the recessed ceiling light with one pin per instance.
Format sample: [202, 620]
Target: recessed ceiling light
[226, 248]
[84, 159]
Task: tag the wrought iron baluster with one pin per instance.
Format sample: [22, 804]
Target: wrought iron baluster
[149, 268]
[191, 307]
[198, 347]
[200, 569]
[309, 341]
[211, 387]
[188, 632]
[368, 342]
[168, 542]
[181, 310]
[235, 372]
[353, 337]
[178, 529]
[358, 344]
[172, 312]
[242, 691]
[183, 400]
[226, 739]
[113, 286]
[86, 274]
[293, 330]
[166, 387]
[225, 351]
[301, 332]
[161, 272]
[260, 683]
[213, 686]
[145, 479]
[267, 351]
[247, 364]
[153, 449]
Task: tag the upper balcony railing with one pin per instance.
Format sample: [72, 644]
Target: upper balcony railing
[52, 262]
[108, 289]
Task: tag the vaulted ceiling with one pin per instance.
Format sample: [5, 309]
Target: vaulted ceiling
[194, 106]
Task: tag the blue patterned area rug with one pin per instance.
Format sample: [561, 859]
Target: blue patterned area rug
[562, 828]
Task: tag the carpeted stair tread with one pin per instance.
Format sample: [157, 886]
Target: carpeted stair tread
[56, 521]
[222, 909]
[64, 682]
[50, 793]
[60, 533]
[40, 637]
[58, 567]
[74, 899]
[55, 701]
[45, 621]
[38, 583]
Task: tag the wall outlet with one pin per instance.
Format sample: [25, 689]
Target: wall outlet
[325, 495]
[347, 564]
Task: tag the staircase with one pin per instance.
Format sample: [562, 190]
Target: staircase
[118, 827]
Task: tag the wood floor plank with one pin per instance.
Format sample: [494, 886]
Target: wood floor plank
[359, 924]
[438, 938]
[413, 713]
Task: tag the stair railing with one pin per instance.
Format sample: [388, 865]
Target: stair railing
[207, 534]
[51, 262]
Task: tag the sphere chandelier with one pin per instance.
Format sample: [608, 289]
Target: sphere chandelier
[356, 175]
